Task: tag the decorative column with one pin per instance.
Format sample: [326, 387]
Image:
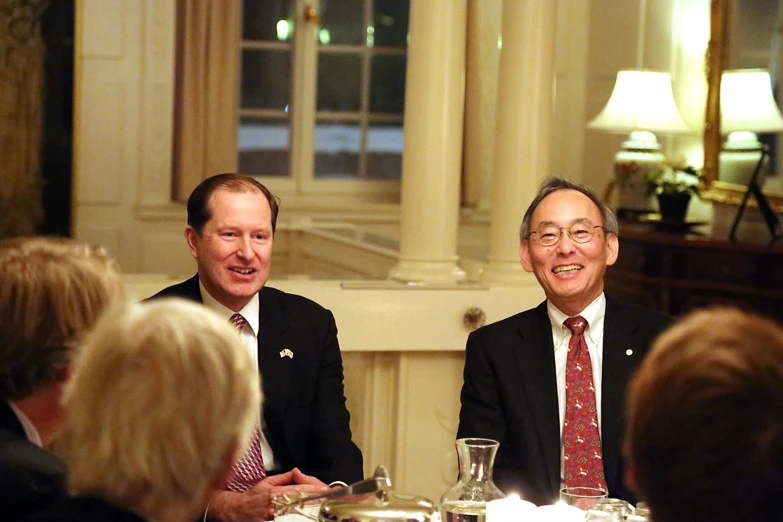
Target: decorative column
[524, 119]
[432, 154]
[481, 89]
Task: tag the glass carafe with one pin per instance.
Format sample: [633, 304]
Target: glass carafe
[467, 500]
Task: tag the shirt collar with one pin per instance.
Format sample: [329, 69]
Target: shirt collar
[594, 314]
[29, 428]
[249, 312]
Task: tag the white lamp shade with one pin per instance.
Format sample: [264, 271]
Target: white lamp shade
[641, 101]
[747, 104]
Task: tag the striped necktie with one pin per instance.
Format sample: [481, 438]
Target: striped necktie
[249, 470]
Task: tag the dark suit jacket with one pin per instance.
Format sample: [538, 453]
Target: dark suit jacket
[510, 395]
[31, 478]
[86, 509]
[306, 421]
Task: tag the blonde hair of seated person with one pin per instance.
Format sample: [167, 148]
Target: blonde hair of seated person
[163, 397]
[52, 291]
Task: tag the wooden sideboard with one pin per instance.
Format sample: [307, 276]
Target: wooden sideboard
[676, 273]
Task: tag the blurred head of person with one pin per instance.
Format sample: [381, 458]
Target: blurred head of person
[162, 400]
[52, 291]
[230, 233]
[705, 414]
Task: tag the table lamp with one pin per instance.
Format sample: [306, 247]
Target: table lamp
[641, 104]
[747, 107]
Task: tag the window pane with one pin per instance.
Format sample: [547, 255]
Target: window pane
[337, 146]
[341, 22]
[387, 84]
[339, 82]
[384, 151]
[269, 20]
[390, 19]
[264, 146]
[266, 79]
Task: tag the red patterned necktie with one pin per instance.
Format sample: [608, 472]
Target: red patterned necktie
[582, 461]
[249, 470]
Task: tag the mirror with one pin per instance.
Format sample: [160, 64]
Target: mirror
[721, 55]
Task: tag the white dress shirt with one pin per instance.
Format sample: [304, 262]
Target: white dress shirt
[594, 336]
[29, 428]
[249, 335]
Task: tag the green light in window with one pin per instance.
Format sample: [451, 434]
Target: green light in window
[283, 30]
[370, 36]
[323, 37]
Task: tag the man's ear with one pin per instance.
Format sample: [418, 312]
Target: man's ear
[630, 476]
[192, 237]
[613, 248]
[524, 255]
[65, 374]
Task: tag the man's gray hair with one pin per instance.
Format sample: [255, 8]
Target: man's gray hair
[555, 183]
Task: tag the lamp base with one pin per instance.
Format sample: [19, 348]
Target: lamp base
[738, 158]
[639, 156]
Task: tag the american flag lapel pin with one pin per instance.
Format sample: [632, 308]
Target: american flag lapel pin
[286, 353]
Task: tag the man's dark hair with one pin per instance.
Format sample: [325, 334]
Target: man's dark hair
[198, 202]
[555, 183]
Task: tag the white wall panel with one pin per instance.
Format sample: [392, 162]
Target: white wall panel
[104, 26]
[100, 165]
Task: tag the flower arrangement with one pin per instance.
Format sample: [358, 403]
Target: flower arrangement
[673, 179]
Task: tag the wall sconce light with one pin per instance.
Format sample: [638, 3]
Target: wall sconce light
[641, 104]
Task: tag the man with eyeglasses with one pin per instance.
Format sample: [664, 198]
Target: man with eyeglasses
[549, 383]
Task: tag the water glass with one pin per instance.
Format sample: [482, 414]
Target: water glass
[582, 498]
[614, 504]
[601, 515]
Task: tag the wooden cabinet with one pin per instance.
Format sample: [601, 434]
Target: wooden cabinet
[676, 273]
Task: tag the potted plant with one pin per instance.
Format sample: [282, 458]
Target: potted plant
[674, 186]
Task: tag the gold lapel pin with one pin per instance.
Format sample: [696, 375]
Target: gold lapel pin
[286, 353]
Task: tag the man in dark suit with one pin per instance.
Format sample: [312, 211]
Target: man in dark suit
[230, 233]
[51, 292]
[522, 375]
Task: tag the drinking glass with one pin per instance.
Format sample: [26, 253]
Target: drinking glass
[601, 515]
[614, 504]
[582, 498]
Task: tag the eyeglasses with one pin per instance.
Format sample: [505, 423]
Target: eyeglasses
[581, 232]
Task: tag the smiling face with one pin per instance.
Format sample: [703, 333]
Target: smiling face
[571, 274]
[234, 248]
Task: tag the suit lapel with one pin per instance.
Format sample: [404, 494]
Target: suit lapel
[275, 369]
[535, 360]
[620, 328]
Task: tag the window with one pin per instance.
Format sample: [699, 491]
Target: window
[321, 105]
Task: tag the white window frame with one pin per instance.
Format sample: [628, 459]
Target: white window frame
[302, 180]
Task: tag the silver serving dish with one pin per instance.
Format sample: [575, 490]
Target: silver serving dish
[370, 500]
